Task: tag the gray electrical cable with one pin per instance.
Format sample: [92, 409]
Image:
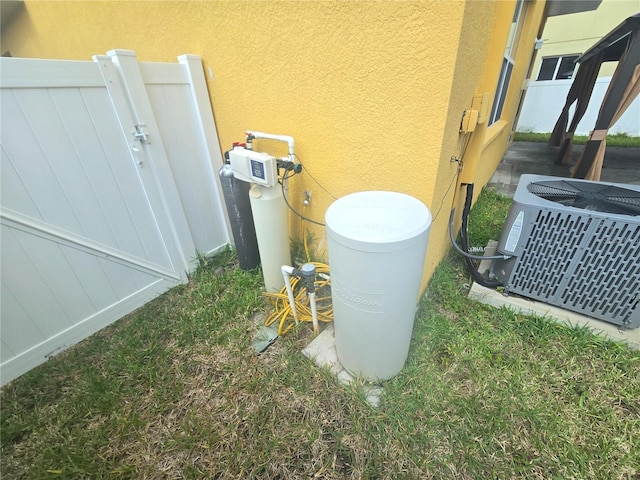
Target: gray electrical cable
[466, 254]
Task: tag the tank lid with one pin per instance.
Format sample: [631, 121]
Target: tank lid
[378, 217]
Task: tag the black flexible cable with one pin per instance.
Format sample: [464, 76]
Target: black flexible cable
[306, 169]
[464, 239]
[287, 175]
[453, 180]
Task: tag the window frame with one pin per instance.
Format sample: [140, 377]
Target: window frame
[508, 61]
[556, 69]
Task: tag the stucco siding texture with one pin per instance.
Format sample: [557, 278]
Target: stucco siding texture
[372, 91]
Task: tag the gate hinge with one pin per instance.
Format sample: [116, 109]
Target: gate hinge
[140, 134]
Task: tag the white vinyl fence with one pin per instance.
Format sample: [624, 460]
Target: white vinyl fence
[545, 99]
[109, 191]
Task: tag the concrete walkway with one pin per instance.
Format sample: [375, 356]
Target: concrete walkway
[621, 165]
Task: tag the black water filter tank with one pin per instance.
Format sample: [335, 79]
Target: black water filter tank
[236, 198]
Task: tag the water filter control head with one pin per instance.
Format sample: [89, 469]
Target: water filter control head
[257, 167]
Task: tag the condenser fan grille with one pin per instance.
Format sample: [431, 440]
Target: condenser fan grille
[589, 196]
[582, 263]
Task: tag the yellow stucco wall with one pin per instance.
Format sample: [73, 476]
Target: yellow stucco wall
[372, 91]
[498, 136]
[577, 32]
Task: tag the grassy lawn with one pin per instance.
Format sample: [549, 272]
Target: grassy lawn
[175, 391]
[613, 139]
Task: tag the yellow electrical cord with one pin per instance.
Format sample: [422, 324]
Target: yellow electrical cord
[282, 313]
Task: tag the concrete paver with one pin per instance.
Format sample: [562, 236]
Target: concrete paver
[322, 350]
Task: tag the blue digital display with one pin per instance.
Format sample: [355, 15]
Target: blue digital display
[257, 170]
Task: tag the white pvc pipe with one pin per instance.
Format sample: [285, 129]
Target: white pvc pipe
[280, 138]
[287, 271]
[314, 313]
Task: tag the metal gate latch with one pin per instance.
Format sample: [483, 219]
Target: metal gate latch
[140, 134]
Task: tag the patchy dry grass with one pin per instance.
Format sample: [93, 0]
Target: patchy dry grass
[175, 391]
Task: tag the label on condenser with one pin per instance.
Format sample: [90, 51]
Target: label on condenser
[514, 233]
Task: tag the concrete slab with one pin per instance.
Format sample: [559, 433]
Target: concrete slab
[322, 350]
[494, 298]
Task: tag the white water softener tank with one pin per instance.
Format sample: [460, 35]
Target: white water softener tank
[271, 220]
[377, 242]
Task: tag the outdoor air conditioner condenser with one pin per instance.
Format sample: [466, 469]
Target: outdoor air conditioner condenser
[574, 244]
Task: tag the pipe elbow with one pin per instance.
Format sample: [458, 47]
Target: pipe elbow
[287, 269]
[270, 136]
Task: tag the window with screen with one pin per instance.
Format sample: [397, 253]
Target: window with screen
[557, 68]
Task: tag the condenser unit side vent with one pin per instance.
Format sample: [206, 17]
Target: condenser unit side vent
[583, 260]
[555, 241]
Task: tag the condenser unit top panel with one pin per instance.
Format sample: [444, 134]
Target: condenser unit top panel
[612, 198]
